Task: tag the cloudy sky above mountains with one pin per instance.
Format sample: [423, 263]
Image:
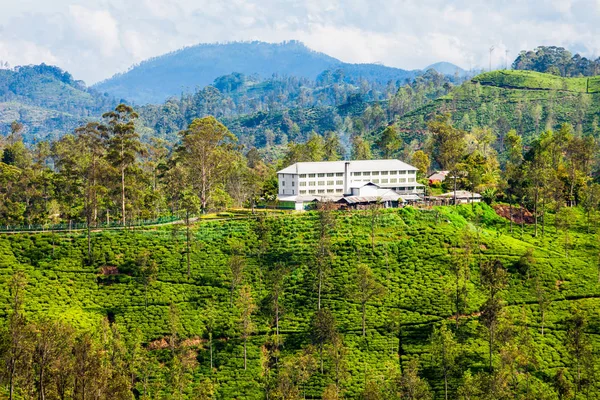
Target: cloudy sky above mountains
[93, 39]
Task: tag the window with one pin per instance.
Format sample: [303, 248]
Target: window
[282, 183]
[375, 173]
[312, 191]
[329, 183]
[293, 183]
[384, 172]
[411, 179]
[402, 172]
[375, 180]
[339, 182]
[393, 180]
[321, 191]
[338, 190]
[329, 190]
[329, 175]
[339, 174]
[311, 175]
[321, 183]
[321, 175]
[311, 184]
[357, 174]
[302, 183]
[302, 175]
[402, 180]
[303, 192]
[366, 173]
[393, 172]
[384, 181]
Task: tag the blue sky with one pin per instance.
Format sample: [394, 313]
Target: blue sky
[93, 39]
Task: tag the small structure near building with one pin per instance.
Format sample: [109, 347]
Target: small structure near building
[462, 197]
[438, 177]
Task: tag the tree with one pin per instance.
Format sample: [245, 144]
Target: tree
[246, 308]
[444, 351]
[367, 289]
[123, 145]
[563, 220]
[326, 223]
[94, 151]
[421, 160]
[512, 172]
[544, 299]
[411, 386]
[448, 145]
[460, 266]
[494, 279]
[207, 149]
[146, 271]
[361, 149]
[389, 142]
[579, 346]
[323, 330]
[333, 148]
[237, 264]
[15, 353]
[277, 280]
[51, 340]
[191, 204]
[338, 353]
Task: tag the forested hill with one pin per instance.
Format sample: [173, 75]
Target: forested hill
[46, 99]
[154, 80]
[529, 102]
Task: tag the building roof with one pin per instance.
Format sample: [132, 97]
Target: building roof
[439, 176]
[461, 194]
[370, 199]
[339, 166]
[307, 198]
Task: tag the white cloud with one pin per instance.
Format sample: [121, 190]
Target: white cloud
[97, 38]
[97, 27]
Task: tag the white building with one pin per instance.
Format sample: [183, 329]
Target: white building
[337, 178]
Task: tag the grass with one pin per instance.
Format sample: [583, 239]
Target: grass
[411, 258]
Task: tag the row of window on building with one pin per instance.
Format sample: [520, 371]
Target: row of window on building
[365, 173]
[341, 182]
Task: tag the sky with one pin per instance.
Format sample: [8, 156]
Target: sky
[94, 39]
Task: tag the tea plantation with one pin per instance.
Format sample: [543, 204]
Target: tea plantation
[412, 257]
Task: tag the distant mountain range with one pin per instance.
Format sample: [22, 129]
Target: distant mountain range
[47, 100]
[185, 70]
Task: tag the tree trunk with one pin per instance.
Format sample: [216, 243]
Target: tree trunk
[319, 290]
[245, 356]
[364, 317]
[123, 194]
[187, 223]
[210, 338]
[491, 346]
[511, 213]
[535, 211]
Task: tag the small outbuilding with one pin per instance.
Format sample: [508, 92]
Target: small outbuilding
[462, 197]
[438, 177]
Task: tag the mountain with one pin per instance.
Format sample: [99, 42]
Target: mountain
[527, 101]
[447, 68]
[155, 80]
[46, 100]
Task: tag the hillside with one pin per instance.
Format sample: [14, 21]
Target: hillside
[412, 259]
[527, 101]
[46, 100]
[155, 80]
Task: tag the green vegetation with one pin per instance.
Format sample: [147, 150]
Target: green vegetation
[534, 80]
[177, 318]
